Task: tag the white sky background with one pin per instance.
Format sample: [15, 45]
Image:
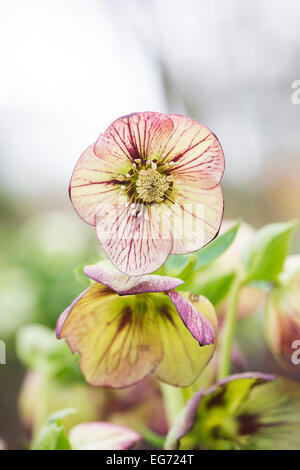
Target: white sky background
[70, 67]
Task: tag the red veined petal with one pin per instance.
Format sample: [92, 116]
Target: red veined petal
[197, 217]
[196, 152]
[135, 245]
[139, 135]
[93, 182]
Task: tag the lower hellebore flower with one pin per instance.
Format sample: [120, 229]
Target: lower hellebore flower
[150, 185]
[243, 411]
[282, 319]
[126, 328]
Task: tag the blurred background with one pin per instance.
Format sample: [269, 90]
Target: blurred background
[70, 67]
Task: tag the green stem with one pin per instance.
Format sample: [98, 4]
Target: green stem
[228, 331]
[173, 401]
[151, 437]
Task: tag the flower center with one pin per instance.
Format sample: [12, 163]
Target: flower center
[151, 185]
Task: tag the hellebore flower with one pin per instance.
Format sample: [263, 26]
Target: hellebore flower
[282, 319]
[243, 411]
[102, 436]
[126, 328]
[150, 185]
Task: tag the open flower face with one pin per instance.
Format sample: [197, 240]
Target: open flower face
[126, 328]
[244, 411]
[150, 185]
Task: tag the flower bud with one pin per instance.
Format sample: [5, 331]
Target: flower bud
[282, 319]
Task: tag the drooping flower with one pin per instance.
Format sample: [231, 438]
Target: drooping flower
[243, 411]
[102, 436]
[150, 185]
[128, 327]
[282, 319]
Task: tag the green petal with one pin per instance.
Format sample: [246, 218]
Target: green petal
[276, 407]
[116, 337]
[183, 358]
[244, 411]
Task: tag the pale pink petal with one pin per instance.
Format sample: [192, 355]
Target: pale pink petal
[136, 240]
[199, 326]
[196, 152]
[102, 436]
[106, 274]
[136, 136]
[92, 182]
[196, 217]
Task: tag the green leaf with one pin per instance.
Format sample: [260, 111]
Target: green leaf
[188, 270]
[217, 247]
[174, 265]
[52, 436]
[80, 276]
[59, 416]
[267, 253]
[214, 287]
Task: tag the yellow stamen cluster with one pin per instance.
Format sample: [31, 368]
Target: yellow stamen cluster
[147, 182]
[151, 185]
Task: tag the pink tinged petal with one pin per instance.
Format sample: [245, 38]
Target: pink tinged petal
[93, 181]
[106, 274]
[183, 357]
[199, 326]
[259, 377]
[136, 136]
[63, 316]
[118, 341]
[2, 445]
[197, 217]
[196, 152]
[136, 245]
[102, 436]
[184, 422]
